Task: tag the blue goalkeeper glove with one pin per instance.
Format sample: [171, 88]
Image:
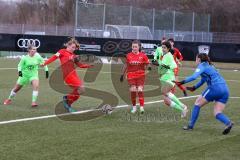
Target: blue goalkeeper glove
[192, 89]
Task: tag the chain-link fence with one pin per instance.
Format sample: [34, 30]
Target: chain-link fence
[75, 18]
[96, 18]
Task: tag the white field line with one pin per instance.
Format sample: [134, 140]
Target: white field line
[79, 112]
[85, 111]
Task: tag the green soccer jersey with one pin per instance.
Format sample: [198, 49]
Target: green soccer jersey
[29, 65]
[167, 74]
[158, 54]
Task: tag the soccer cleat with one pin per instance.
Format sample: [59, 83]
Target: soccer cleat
[184, 112]
[67, 106]
[65, 103]
[71, 110]
[34, 104]
[141, 110]
[187, 128]
[7, 102]
[134, 109]
[228, 129]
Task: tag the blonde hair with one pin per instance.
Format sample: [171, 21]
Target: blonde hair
[72, 41]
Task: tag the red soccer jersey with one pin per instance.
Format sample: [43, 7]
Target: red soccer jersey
[136, 64]
[177, 56]
[67, 63]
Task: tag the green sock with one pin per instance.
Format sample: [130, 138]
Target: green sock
[175, 99]
[176, 106]
[34, 96]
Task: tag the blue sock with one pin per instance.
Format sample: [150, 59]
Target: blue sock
[194, 117]
[222, 118]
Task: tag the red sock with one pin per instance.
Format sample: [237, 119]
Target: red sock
[141, 98]
[182, 87]
[133, 98]
[72, 97]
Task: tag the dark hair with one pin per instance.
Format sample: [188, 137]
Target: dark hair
[139, 44]
[164, 39]
[171, 40]
[168, 45]
[204, 58]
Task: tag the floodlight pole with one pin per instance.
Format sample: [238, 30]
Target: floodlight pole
[130, 15]
[209, 21]
[174, 18]
[76, 17]
[193, 24]
[153, 21]
[104, 16]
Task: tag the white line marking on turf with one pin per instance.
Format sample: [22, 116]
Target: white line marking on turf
[79, 112]
[85, 111]
[234, 97]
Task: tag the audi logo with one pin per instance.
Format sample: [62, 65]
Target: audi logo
[24, 43]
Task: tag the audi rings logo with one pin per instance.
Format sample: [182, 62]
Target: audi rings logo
[24, 43]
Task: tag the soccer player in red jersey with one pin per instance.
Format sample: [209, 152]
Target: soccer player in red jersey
[178, 59]
[68, 64]
[136, 64]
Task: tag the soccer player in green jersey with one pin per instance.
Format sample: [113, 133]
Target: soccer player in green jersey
[158, 52]
[28, 73]
[166, 70]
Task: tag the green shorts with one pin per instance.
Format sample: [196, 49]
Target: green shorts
[26, 80]
[167, 79]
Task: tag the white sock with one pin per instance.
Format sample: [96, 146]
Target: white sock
[34, 96]
[176, 106]
[12, 94]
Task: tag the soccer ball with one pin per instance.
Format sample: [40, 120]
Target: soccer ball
[107, 109]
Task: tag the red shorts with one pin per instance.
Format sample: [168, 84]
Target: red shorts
[176, 71]
[137, 81]
[73, 81]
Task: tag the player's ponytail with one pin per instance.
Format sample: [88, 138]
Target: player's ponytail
[204, 58]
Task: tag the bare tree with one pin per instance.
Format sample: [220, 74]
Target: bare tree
[225, 15]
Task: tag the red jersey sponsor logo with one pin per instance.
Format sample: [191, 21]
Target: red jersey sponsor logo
[136, 64]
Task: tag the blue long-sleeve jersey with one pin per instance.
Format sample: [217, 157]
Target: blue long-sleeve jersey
[208, 74]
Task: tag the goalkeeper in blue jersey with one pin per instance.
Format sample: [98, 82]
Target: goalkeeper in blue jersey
[28, 73]
[217, 91]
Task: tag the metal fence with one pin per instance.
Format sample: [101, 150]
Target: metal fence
[192, 26]
[93, 19]
[96, 16]
[108, 21]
